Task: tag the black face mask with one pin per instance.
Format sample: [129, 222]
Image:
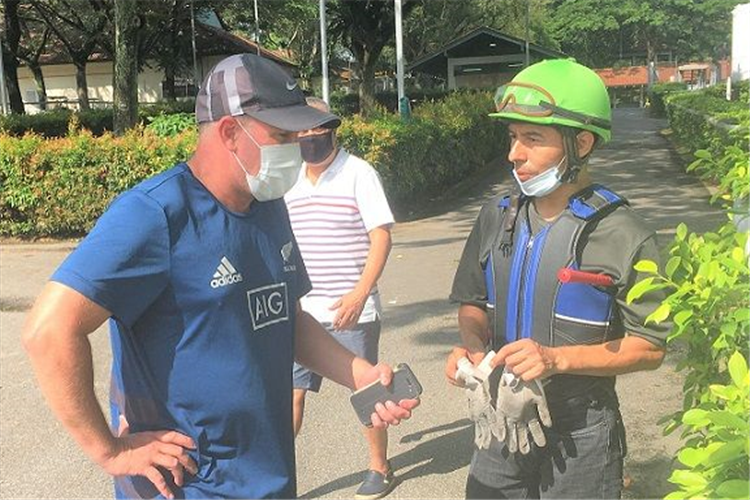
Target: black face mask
[316, 148]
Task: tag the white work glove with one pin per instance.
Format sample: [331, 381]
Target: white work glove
[520, 407]
[478, 396]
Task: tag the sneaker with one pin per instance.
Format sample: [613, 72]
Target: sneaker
[375, 485]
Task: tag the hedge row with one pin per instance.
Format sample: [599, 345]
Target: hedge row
[657, 95]
[420, 158]
[57, 122]
[705, 120]
[345, 104]
[59, 187]
[707, 280]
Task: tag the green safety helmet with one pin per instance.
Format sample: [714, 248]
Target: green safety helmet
[557, 92]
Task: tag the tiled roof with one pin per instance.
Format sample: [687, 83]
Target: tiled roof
[633, 75]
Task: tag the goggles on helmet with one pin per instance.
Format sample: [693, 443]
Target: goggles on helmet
[540, 103]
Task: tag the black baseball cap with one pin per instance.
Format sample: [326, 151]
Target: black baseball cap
[247, 84]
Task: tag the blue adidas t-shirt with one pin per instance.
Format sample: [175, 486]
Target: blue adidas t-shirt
[203, 309]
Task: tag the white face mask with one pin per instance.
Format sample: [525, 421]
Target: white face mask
[542, 184]
[279, 168]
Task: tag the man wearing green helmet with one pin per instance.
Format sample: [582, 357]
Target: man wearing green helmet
[542, 285]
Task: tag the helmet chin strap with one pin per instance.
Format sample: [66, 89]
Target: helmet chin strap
[574, 162]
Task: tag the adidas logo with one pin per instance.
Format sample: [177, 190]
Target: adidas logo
[225, 274]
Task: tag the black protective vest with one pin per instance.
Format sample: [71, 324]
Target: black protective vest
[525, 297]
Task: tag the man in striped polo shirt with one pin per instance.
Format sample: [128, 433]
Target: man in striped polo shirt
[341, 219]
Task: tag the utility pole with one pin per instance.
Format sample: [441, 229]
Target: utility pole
[196, 77]
[324, 50]
[3, 93]
[528, 10]
[257, 26]
[403, 103]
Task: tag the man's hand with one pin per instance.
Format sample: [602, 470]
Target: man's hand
[348, 309]
[451, 365]
[520, 408]
[389, 413]
[142, 453]
[527, 359]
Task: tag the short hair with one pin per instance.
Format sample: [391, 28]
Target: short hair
[318, 103]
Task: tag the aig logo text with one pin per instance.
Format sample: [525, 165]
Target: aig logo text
[268, 305]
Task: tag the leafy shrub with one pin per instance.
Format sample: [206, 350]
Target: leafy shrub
[55, 123]
[59, 187]
[344, 104]
[708, 282]
[170, 125]
[716, 454]
[706, 120]
[731, 171]
[658, 92]
[165, 108]
[420, 158]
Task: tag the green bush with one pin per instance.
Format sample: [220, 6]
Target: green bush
[344, 104]
[420, 158]
[55, 123]
[171, 125]
[59, 187]
[658, 92]
[707, 278]
[716, 457]
[706, 120]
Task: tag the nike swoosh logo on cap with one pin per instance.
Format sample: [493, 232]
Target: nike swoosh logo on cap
[291, 85]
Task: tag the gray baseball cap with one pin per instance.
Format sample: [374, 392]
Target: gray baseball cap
[247, 84]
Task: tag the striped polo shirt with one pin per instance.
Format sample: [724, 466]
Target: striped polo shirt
[331, 221]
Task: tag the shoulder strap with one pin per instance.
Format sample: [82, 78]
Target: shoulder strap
[595, 202]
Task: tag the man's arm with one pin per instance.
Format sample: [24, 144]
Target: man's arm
[473, 325]
[529, 360]
[316, 349]
[55, 336]
[350, 305]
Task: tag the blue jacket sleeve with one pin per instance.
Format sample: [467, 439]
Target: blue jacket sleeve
[124, 262]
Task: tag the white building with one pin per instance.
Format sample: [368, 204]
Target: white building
[741, 42]
[213, 44]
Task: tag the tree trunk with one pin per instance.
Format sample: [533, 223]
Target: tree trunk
[82, 86]
[169, 85]
[9, 44]
[368, 60]
[650, 62]
[126, 66]
[41, 88]
[367, 90]
[10, 66]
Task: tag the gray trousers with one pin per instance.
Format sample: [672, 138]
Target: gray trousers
[583, 457]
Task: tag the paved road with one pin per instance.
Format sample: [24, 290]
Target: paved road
[431, 452]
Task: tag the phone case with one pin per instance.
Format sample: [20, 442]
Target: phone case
[403, 386]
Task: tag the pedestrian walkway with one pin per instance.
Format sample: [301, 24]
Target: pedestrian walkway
[431, 452]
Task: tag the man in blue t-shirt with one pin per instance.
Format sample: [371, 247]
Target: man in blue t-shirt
[199, 274]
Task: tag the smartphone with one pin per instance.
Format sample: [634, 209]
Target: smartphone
[403, 386]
